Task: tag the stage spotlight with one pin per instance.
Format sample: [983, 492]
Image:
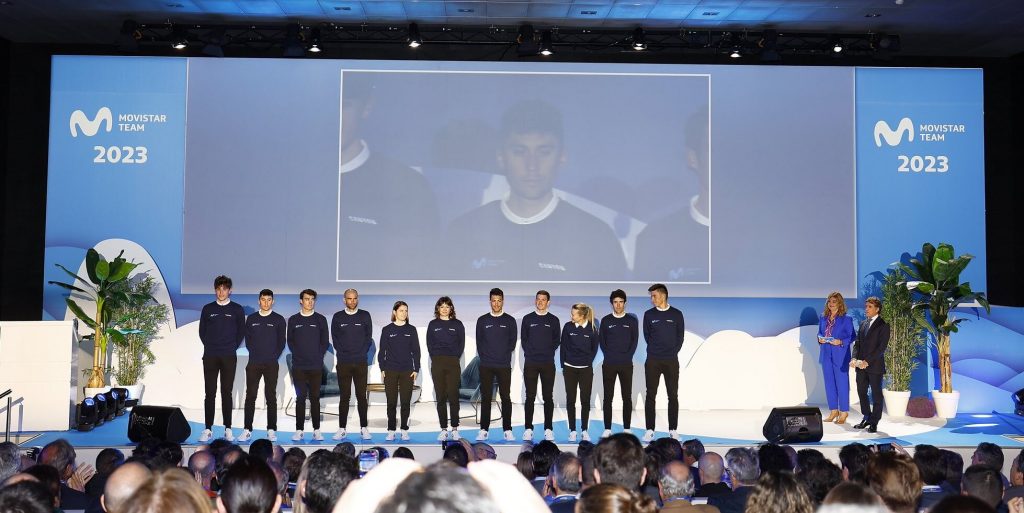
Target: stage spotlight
[101, 409]
[118, 396]
[1018, 402]
[415, 39]
[111, 397]
[179, 38]
[736, 53]
[837, 45]
[314, 40]
[545, 43]
[639, 39]
[86, 415]
[293, 46]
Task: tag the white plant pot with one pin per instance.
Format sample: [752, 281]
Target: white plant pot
[91, 392]
[135, 391]
[896, 402]
[946, 403]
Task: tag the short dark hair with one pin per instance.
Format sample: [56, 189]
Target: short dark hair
[307, 292]
[617, 293]
[954, 467]
[930, 463]
[442, 486]
[108, 460]
[26, 497]
[168, 454]
[266, 292]
[773, 458]
[496, 292]
[807, 457]
[544, 455]
[404, 452]
[48, 477]
[262, 449]
[961, 504]
[444, 300]
[819, 476]
[566, 472]
[249, 485]
[543, 293]
[327, 475]
[854, 458]
[983, 482]
[693, 448]
[292, 463]
[531, 116]
[989, 454]
[345, 448]
[619, 459]
[658, 287]
[456, 454]
[220, 281]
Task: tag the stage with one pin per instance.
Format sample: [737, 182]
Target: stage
[719, 430]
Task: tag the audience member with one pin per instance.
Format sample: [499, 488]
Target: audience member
[483, 451]
[10, 460]
[619, 459]
[279, 454]
[324, 477]
[146, 447]
[895, 479]
[171, 490]
[107, 462]
[50, 479]
[990, 454]
[693, 449]
[563, 483]
[456, 453]
[779, 492]
[403, 452]
[585, 452]
[676, 487]
[60, 455]
[711, 468]
[347, 448]
[439, 487]
[853, 494]
[524, 464]
[791, 452]
[25, 497]
[292, 464]
[203, 465]
[744, 469]
[807, 457]
[932, 466]
[1016, 488]
[954, 470]
[262, 449]
[773, 458]
[613, 498]
[853, 459]
[544, 454]
[282, 484]
[249, 487]
[818, 477]
[983, 482]
[961, 504]
[121, 484]
[167, 455]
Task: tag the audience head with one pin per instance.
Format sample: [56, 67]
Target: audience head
[1017, 470]
[108, 460]
[10, 460]
[146, 447]
[930, 463]
[779, 492]
[60, 455]
[895, 479]
[961, 504]
[456, 454]
[203, 465]
[819, 477]
[171, 490]
[324, 477]
[619, 459]
[585, 452]
[524, 464]
[711, 468]
[279, 454]
[404, 452]
[50, 478]
[983, 482]
[441, 487]
[25, 497]
[988, 454]
[282, 481]
[743, 466]
[484, 451]
[693, 449]
[167, 454]
[954, 468]
[121, 484]
[262, 449]
[807, 457]
[773, 458]
[347, 448]
[292, 463]
[851, 493]
[675, 481]
[613, 498]
[544, 454]
[249, 487]
[565, 474]
[854, 460]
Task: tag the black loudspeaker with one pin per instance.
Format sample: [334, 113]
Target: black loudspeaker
[163, 422]
[796, 424]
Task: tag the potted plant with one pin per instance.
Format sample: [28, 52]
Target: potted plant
[905, 342]
[103, 289]
[138, 320]
[935, 279]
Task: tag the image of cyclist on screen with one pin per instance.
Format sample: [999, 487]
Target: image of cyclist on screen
[532, 233]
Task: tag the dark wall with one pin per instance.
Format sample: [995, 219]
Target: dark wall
[24, 109]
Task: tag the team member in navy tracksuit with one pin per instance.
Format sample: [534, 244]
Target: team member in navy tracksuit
[446, 340]
[352, 332]
[541, 334]
[308, 336]
[495, 342]
[620, 332]
[399, 360]
[580, 340]
[265, 339]
[663, 331]
[221, 329]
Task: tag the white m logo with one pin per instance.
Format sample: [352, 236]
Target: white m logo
[88, 126]
[893, 137]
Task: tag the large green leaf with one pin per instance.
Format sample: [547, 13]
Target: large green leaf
[944, 252]
[91, 258]
[82, 316]
[924, 287]
[102, 269]
[122, 271]
[76, 277]
[67, 286]
[927, 260]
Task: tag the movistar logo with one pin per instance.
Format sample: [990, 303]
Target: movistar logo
[89, 127]
[894, 137]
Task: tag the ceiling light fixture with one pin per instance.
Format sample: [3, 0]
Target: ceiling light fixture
[546, 48]
[415, 39]
[639, 39]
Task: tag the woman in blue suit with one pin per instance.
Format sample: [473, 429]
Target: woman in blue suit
[835, 334]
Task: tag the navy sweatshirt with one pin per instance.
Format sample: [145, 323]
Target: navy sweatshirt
[221, 328]
[541, 335]
[579, 344]
[663, 332]
[308, 339]
[352, 336]
[399, 348]
[619, 336]
[446, 338]
[495, 340]
[264, 337]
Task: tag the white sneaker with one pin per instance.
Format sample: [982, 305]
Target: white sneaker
[442, 436]
[297, 436]
[365, 433]
[572, 437]
[527, 435]
[586, 436]
[405, 435]
[674, 434]
[455, 434]
[271, 435]
[228, 435]
[509, 437]
[317, 435]
[245, 436]
[606, 433]
[481, 436]
[206, 435]
[340, 433]
[648, 436]
[549, 435]
[390, 437]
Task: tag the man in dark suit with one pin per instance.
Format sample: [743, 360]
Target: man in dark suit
[869, 360]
